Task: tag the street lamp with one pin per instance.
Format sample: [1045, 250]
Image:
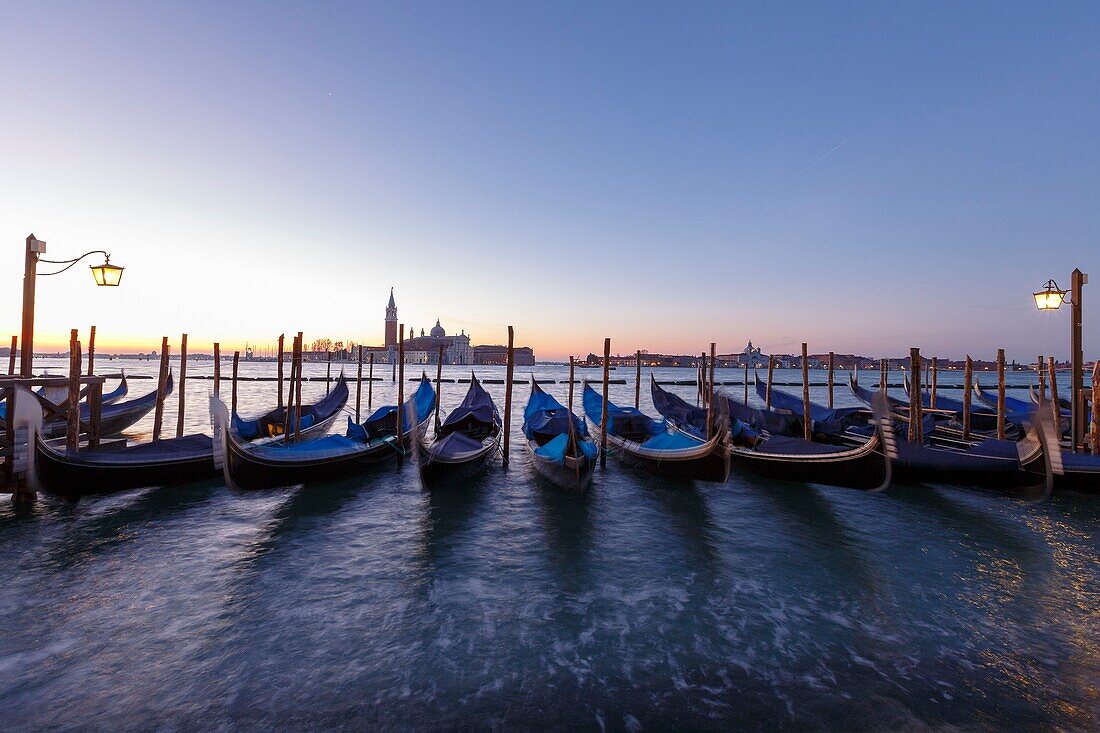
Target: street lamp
[1048, 299]
[104, 275]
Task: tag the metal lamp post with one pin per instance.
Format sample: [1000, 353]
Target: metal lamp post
[105, 275]
[1050, 298]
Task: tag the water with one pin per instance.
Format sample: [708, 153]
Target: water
[507, 604]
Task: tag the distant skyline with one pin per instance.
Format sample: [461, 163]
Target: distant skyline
[862, 177]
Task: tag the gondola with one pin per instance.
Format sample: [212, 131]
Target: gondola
[110, 398]
[113, 419]
[1063, 403]
[464, 443]
[1074, 471]
[1012, 404]
[981, 416]
[788, 457]
[167, 462]
[162, 462]
[944, 456]
[948, 423]
[315, 421]
[274, 464]
[558, 442]
[660, 446]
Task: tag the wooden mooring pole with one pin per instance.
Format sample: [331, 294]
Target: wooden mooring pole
[1055, 403]
[745, 379]
[298, 392]
[768, 392]
[832, 368]
[400, 366]
[91, 351]
[508, 372]
[806, 431]
[1042, 379]
[359, 385]
[710, 394]
[217, 368]
[603, 409]
[638, 380]
[282, 349]
[915, 400]
[236, 367]
[370, 381]
[438, 387]
[571, 367]
[883, 374]
[11, 355]
[182, 407]
[72, 435]
[932, 396]
[288, 413]
[162, 389]
[1000, 394]
[968, 385]
[1096, 407]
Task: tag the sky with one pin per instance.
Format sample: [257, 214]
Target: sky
[865, 177]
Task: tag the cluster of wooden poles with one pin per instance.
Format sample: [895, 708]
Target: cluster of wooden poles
[705, 387]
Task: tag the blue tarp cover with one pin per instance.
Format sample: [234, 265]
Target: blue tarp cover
[476, 414]
[555, 449]
[545, 416]
[383, 421]
[672, 441]
[797, 446]
[622, 421]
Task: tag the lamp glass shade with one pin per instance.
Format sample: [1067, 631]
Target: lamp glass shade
[107, 274]
[1049, 299]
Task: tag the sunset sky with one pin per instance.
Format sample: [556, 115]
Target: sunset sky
[664, 174]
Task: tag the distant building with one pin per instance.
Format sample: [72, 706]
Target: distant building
[495, 355]
[391, 323]
[456, 349]
[751, 355]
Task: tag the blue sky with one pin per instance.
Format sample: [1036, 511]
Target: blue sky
[864, 177]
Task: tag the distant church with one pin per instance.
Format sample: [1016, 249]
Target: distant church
[424, 349]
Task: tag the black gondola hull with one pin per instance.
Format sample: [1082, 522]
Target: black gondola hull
[73, 477]
[574, 477]
[865, 468]
[441, 473]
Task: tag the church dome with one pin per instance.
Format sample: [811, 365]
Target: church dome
[438, 331]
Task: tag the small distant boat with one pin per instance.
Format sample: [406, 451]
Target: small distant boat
[660, 446]
[465, 442]
[558, 442]
[273, 464]
[316, 418]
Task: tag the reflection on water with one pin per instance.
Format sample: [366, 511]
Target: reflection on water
[506, 603]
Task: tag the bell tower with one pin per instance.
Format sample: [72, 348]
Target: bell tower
[391, 322]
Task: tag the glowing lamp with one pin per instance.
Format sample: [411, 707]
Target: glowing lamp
[110, 275]
[1050, 297]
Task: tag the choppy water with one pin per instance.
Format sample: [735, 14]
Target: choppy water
[506, 604]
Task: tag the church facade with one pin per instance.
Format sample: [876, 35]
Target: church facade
[424, 349]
